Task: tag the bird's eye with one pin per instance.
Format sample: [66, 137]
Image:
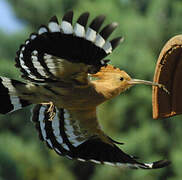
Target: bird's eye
[121, 78]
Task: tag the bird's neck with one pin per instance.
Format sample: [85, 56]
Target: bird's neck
[106, 88]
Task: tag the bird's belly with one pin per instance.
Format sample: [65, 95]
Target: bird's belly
[77, 99]
[73, 102]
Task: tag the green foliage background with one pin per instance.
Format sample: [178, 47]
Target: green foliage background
[146, 26]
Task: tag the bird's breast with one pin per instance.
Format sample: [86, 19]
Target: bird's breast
[76, 98]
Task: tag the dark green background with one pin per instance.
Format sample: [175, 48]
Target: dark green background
[146, 26]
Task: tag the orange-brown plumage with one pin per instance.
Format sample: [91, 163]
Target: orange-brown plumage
[111, 81]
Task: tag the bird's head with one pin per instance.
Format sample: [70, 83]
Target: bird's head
[120, 80]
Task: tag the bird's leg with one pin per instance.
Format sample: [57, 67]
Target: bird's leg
[51, 112]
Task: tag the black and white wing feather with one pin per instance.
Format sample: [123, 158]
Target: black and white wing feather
[43, 56]
[65, 136]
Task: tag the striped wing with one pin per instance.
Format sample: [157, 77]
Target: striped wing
[64, 134]
[61, 133]
[57, 49]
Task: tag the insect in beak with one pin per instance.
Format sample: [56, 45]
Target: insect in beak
[138, 81]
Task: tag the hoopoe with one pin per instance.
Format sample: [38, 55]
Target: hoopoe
[58, 63]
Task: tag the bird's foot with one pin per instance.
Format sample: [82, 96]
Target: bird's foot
[51, 110]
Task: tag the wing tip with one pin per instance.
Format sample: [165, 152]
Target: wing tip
[97, 22]
[116, 41]
[54, 19]
[82, 20]
[160, 164]
[68, 16]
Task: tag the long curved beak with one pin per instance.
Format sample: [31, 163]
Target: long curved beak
[139, 81]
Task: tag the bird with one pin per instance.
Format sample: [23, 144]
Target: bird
[66, 77]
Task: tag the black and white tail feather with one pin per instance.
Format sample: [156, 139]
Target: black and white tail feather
[62, 135]
[78, 44]
[9, 95]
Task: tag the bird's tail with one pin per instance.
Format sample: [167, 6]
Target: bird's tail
[10, 95]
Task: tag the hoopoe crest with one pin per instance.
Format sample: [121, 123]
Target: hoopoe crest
[57, 63]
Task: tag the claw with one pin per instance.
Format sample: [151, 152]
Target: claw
[50, 111]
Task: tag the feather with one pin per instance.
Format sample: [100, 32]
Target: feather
[10, 101]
